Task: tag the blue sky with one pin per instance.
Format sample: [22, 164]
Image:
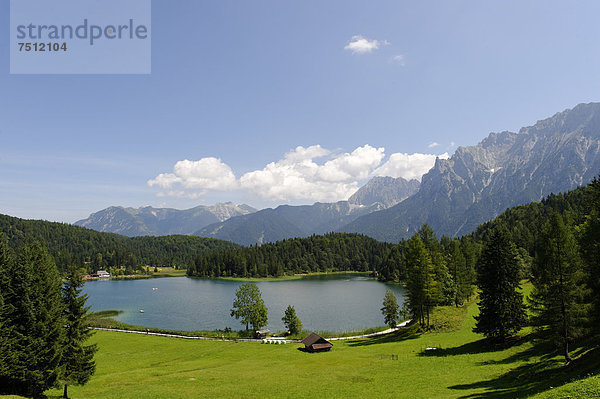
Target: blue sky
[237, 85]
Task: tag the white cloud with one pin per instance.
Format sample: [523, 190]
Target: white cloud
[303, 174]
[205, 174]
[434, 144]
[399, 59]
[298, 176]
[361, 45]
[408, 166]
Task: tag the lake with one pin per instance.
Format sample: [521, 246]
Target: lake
[337, 302]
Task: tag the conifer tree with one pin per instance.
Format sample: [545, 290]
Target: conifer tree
[291, 320]
[78, 359]
[558, 280]
[501, 309]
[390, 309]
[462, 277]
[590, 247]
[33, 311]
[422, 289]
[6, 260]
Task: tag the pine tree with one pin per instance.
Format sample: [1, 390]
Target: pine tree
[390, 309]
[501, 309]
[558, 280]
[291, 320]
[78, 359]
[33, 311]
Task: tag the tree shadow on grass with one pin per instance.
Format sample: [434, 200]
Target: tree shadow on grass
[475, 347]
[402, 334]
[533, 378]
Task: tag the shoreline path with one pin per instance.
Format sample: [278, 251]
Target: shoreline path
[385, 332]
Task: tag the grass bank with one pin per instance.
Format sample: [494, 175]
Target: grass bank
[105, 319]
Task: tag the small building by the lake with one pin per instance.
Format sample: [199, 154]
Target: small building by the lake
[262, 333]
[316, 343]
[101, 274]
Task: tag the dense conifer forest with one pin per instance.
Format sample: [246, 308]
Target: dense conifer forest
[70, 244]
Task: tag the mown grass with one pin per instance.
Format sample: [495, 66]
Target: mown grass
[399, 365]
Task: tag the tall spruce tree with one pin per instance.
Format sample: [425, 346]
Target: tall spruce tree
[78, 359]
[33, 312]
[590, 247]
[559, 290]
[501, 308]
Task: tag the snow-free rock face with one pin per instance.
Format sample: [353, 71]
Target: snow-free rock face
[506, 169]
[387, 191]
[161, 221]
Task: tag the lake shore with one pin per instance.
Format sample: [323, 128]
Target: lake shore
[299, 276]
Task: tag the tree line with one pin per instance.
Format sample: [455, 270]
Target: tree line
[94, 250]
[555, 244]
[318, 253]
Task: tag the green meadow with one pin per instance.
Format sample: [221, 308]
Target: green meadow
[394, 366]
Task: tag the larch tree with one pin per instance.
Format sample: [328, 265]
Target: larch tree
[462, 276]
[422, 289]
[390, 309]
[559, 289]
[501, 308]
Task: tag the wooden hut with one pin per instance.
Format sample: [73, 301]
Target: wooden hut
[262, 333]
[315, 343]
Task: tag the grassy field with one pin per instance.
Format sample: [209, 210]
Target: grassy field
[462, 366]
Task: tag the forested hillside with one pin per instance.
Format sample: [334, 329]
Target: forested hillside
[77, 245]
[330, 252]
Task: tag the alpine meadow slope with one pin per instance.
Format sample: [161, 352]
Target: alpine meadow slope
[506, 169]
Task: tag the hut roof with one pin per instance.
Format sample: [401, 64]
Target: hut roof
[313, 339]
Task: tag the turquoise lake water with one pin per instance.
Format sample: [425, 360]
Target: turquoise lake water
[333, 302]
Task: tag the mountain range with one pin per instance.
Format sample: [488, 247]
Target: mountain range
[160, 221]
[506, 169]
[475, 185]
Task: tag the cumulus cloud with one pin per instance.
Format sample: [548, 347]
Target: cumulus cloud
[434, 144]
[362, 45]
[408, 166]
[205, 174]
[303, 174]
[298, 176]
